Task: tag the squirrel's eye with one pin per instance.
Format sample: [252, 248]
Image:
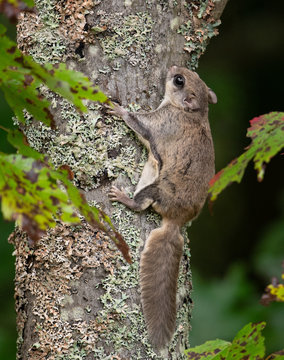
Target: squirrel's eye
[179, 81]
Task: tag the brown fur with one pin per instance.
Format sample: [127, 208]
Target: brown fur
[175, 182]
[159, 267]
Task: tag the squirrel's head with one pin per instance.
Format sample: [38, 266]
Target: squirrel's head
[185, 90]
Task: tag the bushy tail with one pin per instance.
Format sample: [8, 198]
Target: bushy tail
[159, 267]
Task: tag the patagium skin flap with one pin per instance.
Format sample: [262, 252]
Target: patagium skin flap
[175, 182]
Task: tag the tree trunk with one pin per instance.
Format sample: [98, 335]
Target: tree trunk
[75, 295]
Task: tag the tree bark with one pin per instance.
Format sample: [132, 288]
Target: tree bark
[75, 295]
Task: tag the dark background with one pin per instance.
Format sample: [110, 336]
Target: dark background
[237, 250]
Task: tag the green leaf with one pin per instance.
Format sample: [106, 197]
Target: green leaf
[267, 134]
[247, 345]
[18, 3]
[29, 3]
[30, 195]
[19, 141]
[273, 292]
[210, 350]
[20, 84]
[2, 29]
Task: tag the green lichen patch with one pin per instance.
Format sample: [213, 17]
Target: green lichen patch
[95, 147]
[47, 46]
[127, 36]
[39, 35]
[47, 13]
[197, 40]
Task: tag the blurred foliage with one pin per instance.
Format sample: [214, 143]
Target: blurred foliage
[222, 306]
[273, 292]
[277, 290]
[236, 251]
[12, 8]
[7, 312]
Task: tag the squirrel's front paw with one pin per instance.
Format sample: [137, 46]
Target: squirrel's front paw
[117, 195]
[116, 109]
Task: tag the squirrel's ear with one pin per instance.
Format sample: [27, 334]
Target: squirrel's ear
[191, 103]
[212, 98]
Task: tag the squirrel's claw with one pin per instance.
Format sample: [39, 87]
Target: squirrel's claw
[117, 195]
[116, 110]
[114, 193]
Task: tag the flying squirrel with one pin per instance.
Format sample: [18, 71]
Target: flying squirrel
[175, 181]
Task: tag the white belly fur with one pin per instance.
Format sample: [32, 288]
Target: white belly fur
[149, 174]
